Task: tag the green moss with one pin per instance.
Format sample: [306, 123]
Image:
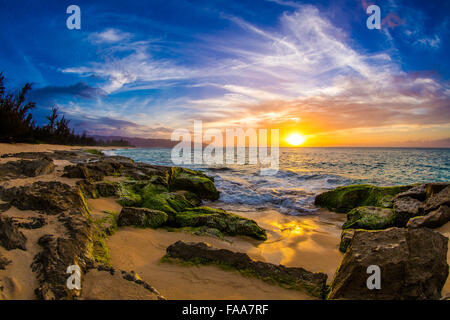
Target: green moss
[128, 197]
[194, 181]
[95, 152]
[221, 220]
[155, 220]
[84, 207]
[168, 202]
[370, 218]
[100, 251]
[108, 223]
[344, 199]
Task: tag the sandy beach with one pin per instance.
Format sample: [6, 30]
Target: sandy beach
[26, 147]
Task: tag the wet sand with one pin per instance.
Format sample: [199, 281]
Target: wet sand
[310, 242]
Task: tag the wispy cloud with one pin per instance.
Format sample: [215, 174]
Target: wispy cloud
[306, 72]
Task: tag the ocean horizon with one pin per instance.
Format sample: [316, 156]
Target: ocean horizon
[305, 172]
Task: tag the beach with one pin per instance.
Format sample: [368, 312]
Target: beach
[309, 241]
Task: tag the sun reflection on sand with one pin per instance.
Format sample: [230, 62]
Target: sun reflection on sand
[295, 241]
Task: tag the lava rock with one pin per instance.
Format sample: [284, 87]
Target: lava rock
[141, 217]
[413, 265]
[434, 219]
[10, 236]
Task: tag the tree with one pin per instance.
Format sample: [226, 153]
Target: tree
[16, 121]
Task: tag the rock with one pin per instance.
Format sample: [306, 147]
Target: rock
[191, 197]
[3, 262]
[47, 197]
[141, 217]
[221, 220]
[27, 168]
[346, 239]
[434, 219]
[99, 189]
[4, 206]
[344, 199]
[295, 278]
[418, 192]
[437, 199]
[370, 218]
[52, 262]
[194, 181]
[168, 202]
[435, 187]
[114, 166]
[413, 265]
[35, 223]
[405, 209]
[10, 236]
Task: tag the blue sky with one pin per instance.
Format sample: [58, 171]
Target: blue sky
[145, 68]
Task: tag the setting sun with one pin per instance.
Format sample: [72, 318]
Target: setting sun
[296, 139]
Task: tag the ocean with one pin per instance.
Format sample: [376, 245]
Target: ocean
[305, 172]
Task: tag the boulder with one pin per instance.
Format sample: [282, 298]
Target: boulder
[141, 217]
[434, 219]
[10, 236]
[47, 197]
[344, 199]
[194, 181]
[437, 199]
[52, 262]
[413, 265]
[225, 222]
[418, 192]
[168, 202]
[114, 166]
[405, 209]
[295, 278]
[26, 168]
[99, 189]
[370, 218]
[435, 187]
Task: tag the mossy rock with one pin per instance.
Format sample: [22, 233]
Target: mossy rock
[168, 202]
[370, 218]
[142, 217]
[221, 220]
[344, 199]
[128, 195]
[194, 181]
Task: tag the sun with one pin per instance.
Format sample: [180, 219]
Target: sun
[296, 139]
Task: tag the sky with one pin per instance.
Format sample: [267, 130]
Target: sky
[146, 68]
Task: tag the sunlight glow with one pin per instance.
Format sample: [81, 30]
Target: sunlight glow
[296, 139]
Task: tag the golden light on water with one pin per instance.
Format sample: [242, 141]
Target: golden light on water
[296, 139]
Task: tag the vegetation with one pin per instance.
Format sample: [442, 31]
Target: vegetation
[17, 124]
[344, 199]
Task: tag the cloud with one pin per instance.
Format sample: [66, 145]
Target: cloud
[109, 36]
[80, 89]
[305, 72]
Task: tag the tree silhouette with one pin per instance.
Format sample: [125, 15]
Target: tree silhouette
[17, 125]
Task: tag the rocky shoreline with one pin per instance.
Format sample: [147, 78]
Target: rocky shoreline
[389, 227]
